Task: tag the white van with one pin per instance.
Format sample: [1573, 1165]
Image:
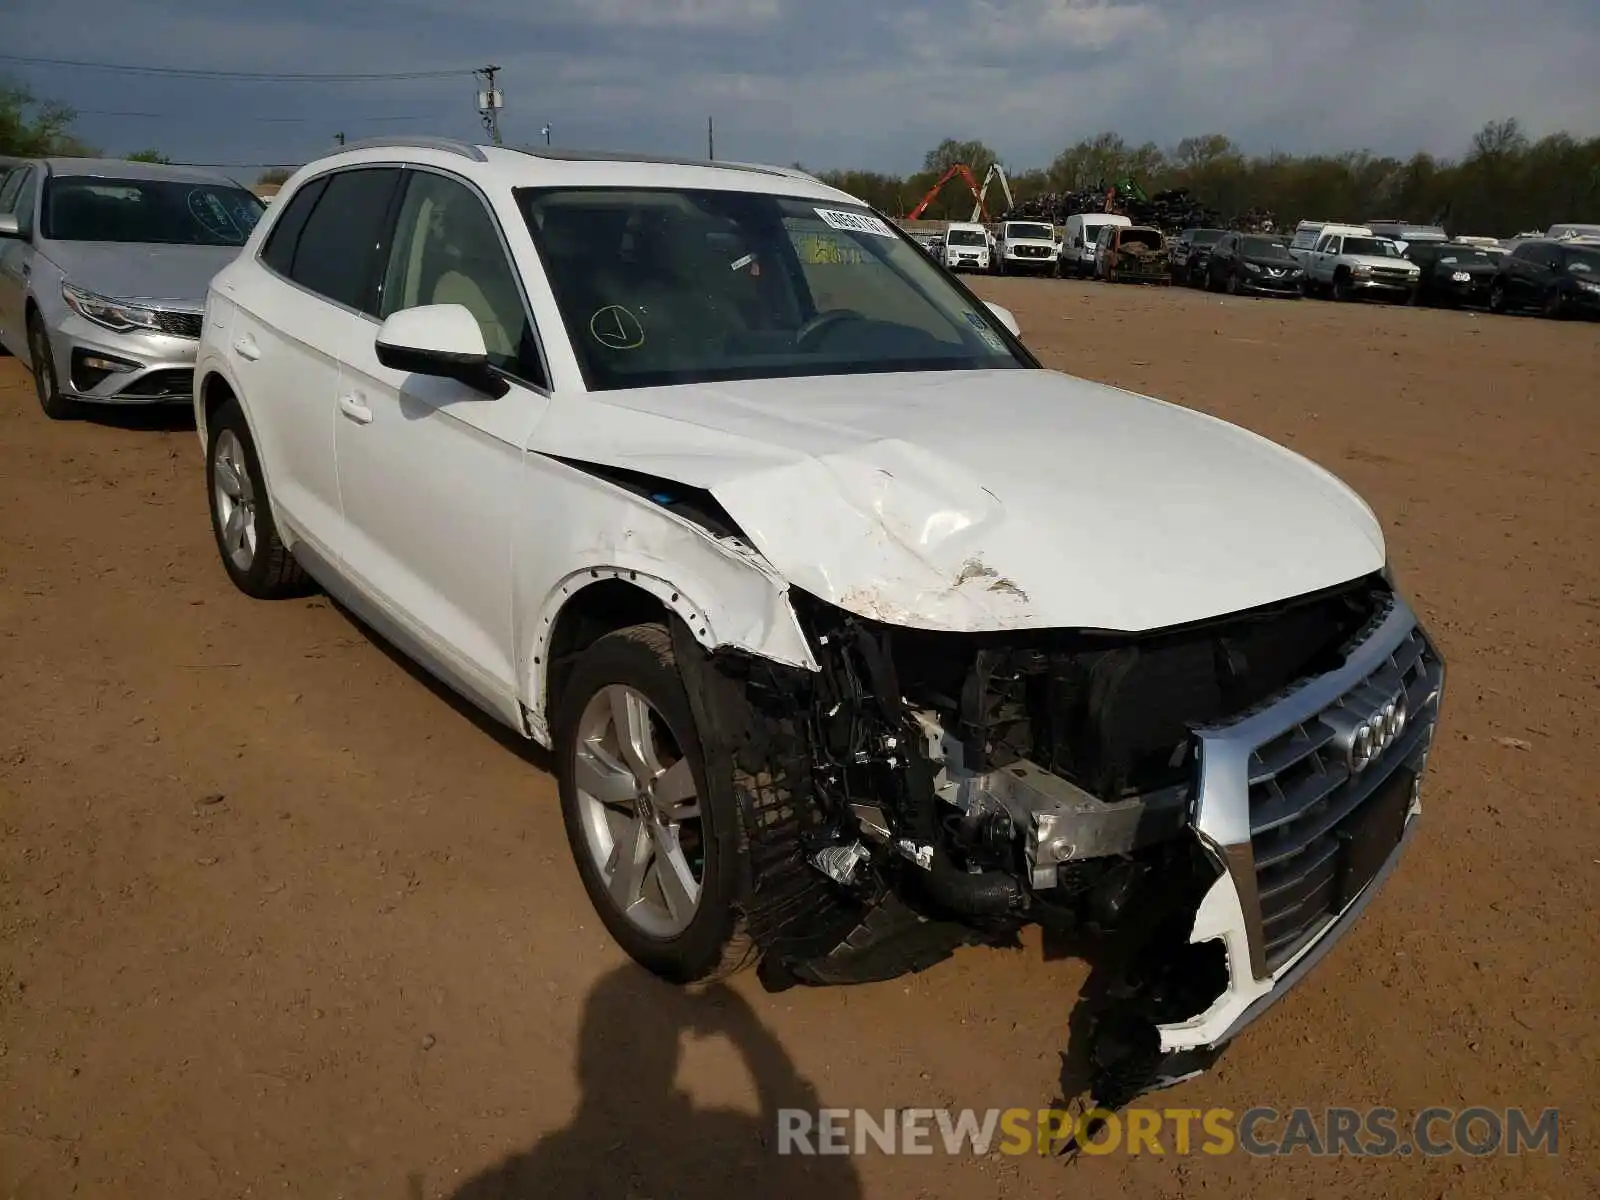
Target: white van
[966, 247]
[1077, 242]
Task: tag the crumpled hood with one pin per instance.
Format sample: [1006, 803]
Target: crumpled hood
[137, 271]
[990, 500]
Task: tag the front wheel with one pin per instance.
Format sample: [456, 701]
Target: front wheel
[1497, 297]
[656, 852]
[56, 406]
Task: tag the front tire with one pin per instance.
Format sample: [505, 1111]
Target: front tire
[655, 849]
[241, 512]
[1497, 298]
[56, 406]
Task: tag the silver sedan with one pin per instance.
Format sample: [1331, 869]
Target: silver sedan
[103, 273]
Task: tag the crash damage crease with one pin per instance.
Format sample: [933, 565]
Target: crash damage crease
[925, 790]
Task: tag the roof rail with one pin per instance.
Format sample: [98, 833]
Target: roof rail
[654, 159]
[424, 142]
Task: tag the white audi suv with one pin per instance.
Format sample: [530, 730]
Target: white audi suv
[857, 635]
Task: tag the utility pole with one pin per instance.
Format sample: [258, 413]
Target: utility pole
[339, 137]
[711, 141]
[546, 132]
[490, 101]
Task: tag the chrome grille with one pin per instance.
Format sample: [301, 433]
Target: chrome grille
[1303, 796]
[180, 324]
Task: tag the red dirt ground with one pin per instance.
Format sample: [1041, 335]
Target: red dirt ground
[369, 970]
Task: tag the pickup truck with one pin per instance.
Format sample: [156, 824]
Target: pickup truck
[1347, 265]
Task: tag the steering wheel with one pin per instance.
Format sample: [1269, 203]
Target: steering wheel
[823, 321]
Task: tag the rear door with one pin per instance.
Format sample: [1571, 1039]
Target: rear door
[317, 293]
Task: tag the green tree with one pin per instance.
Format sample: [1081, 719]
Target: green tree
[30, 127]
[149, 156]
[280, 175]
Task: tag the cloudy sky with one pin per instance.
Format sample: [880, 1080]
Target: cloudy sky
[825, 82]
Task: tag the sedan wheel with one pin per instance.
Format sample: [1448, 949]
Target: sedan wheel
[56, 406]
[641, 813]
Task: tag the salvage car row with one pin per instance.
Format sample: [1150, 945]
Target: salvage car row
[1557, 275]
[671, 469]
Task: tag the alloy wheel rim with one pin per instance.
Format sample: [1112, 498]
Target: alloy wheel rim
[236, 500]
[640, 811]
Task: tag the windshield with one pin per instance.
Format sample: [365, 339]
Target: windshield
[1585, 263]
[1464, 258]
[1266, 248]
[83, 208]
[1204, 237]
[965, 237]
[660, 287]
[1043, 233]
[1376, 247]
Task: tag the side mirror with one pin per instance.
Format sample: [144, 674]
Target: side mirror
[442, 340]
[1006, 319]
[9, 226]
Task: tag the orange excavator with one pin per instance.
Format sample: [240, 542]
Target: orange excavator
[980, 208]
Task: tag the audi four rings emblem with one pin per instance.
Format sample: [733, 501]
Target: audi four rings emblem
[1362, 734]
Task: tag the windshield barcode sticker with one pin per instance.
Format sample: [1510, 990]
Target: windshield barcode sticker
[854, 222]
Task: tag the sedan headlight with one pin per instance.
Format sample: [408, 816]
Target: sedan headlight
[109, 313]
[1253, 268]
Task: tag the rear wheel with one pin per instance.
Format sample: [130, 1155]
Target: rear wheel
[241, 513]
[655, 850]
[1497, 297]
[56, 406]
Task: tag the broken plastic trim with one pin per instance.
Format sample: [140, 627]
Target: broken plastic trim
[691, 503]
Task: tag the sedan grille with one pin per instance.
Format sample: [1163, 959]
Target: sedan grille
[180, 324]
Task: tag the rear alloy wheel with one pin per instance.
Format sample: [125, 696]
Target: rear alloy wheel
[56, 406]
[241, 513]
[656, 853]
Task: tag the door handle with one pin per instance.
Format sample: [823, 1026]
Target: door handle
[246, 348]
[350, 405]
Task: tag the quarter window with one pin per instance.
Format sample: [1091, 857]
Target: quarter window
[285, 234]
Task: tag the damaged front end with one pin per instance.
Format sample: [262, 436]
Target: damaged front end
[1211, 802]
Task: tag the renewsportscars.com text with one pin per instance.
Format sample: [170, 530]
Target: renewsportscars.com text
[1263, 1132]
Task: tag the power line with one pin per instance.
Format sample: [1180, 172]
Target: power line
[243, 76]
[105, 112]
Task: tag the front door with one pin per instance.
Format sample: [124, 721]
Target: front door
[429, 469]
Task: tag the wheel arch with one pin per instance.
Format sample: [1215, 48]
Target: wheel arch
[723, 601]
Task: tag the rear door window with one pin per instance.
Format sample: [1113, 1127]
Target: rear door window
[338, 251]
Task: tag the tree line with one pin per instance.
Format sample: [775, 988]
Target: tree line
[32, 128]
[1504, 183]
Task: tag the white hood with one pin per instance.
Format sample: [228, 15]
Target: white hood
[990, 500]
[1378, 260]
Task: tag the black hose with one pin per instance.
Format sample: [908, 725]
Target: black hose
[974, 893]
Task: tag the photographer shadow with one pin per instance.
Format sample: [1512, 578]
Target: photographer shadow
[637, 1134]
